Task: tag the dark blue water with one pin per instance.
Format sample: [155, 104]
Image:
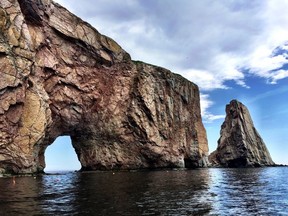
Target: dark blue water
[262, 191]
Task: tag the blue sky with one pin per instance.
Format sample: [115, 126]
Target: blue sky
[61, 156]
[230, 49]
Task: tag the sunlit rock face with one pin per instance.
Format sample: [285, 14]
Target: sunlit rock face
[240, 145]
[60, 76]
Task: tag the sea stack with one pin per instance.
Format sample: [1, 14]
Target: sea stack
[60, 76]
[240, 145]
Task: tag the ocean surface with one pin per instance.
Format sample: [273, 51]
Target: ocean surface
[259, 191]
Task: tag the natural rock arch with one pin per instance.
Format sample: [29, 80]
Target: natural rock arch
[60, 76]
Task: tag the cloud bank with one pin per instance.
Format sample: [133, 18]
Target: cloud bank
[209, 42]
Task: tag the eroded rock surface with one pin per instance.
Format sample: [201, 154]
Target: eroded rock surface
[60, 76]
[240, 145]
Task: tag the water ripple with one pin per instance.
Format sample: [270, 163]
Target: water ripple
[260, 191]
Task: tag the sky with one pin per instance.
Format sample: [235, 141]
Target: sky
[232, 49]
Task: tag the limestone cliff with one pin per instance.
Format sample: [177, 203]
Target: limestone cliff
[60, 76]
[240, 145]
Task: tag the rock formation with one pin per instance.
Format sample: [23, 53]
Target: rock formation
[240, 145]
[60, 76]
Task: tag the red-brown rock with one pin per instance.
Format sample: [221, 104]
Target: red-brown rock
[60, 76]
[240, 145]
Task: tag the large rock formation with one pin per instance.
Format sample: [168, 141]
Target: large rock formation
[60, 76]
[240, 145]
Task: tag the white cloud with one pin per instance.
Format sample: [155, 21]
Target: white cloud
[263, 63]
[204, 79]
[278, 75]
[205, 103]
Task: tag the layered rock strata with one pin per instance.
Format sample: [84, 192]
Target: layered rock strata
[60, 76]
[240, 145]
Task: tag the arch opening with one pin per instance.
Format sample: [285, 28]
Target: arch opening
[61, 156]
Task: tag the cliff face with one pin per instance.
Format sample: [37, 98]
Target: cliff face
[240, 145]
[60, 76]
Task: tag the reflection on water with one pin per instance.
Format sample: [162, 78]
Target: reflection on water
[57, 194]
[185, 192]
[18, 197]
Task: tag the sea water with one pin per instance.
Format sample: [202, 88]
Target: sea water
[259, 191]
